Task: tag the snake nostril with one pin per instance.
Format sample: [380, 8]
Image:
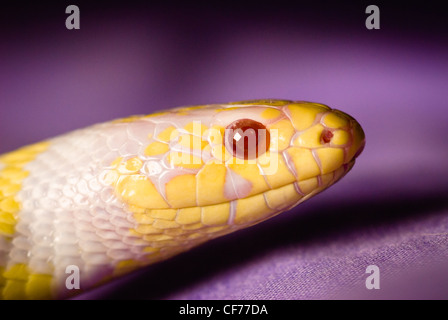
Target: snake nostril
[326, 136]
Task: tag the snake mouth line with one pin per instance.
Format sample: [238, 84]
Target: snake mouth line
[301, 196]
[346, 168]
[321, 186]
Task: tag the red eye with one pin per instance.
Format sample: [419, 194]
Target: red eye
[246, 139]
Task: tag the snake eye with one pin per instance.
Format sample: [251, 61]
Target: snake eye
[246, 139]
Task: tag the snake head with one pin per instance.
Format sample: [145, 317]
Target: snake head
[277, 153]
[205, 171]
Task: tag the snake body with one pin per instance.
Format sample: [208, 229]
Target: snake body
[117, 196]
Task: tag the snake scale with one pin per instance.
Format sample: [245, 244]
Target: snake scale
[120, 195]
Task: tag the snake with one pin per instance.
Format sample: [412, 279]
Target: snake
[86, 207]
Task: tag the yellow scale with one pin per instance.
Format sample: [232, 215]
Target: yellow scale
[16, 281]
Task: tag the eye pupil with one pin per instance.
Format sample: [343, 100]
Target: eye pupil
[246, 139]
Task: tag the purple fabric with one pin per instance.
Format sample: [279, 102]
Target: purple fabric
[390, 211]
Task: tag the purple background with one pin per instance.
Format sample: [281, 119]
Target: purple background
[390, 211]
